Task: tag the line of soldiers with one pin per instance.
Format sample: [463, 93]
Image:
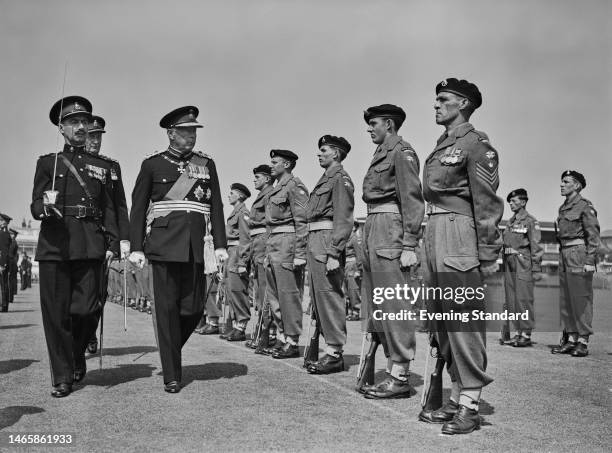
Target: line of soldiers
[9, 258]
[177, 225]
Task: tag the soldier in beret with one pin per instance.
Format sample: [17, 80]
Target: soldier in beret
[392, 191]
[257, 223]
[285, 251]
[177, 223]
[462, 241]
[92, 146]
[78, 232]
[578, 235]
[13, 265]
[237, 266]
[522, 259]
[330, 222]
[5, 246]
[352, 272]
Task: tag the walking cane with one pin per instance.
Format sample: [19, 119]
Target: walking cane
[125, 271]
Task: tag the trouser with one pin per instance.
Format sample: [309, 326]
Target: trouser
[576, 292]
[519, 285]
[452, 262]
[211, 309]
[4, 286]
[326, 289]
[178, 291]
[69, 300]
[382, 242]
[238, 289]
[12, 283]
[353, 285]
[282, 284]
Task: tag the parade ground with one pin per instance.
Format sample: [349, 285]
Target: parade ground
[234, 400]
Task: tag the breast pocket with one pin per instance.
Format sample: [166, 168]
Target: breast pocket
[569, 224]
[279, 205]
[382, 173]
[323, 198]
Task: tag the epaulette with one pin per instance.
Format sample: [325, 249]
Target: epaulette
[482, 137]
[153, 154]
[107, 158]
[202, 154]
[45, 155]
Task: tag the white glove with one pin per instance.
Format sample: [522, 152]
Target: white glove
[124, 247]
[138, 259]
[221, 255]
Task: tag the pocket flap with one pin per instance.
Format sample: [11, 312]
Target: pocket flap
[382, 167]
[391, 254]
[462, 263]
[322, 190]
[278, 200]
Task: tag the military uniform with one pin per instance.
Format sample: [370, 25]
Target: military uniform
[522, 257]
[176, 233]
[5, 245]
[25, 269]
[352, 275]
[13, 267]
[238, 241]
[578, 233]
[71, 249]
[288, 234]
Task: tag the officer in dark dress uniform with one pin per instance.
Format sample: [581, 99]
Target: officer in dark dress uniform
[13, 265]
[578, 233]
[462, 244]
[5, 246]
[330, 222]
[78, 223]
[182, 233]
[92, 146]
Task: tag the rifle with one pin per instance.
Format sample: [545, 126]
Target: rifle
[367, 363]
[311, 352]
[431, 399]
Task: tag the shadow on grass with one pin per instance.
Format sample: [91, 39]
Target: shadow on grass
[110, 377]
[213, 371]
[17, 326]
[8, 366]
[124, 351]
[12, 414]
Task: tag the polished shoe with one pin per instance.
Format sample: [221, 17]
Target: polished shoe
[288, 351]
[236, 335]
[327, 365]
[61, 390]
[565, 348]
[352, 318]
[226, 334]
[278, 345]
[363, 389]
[442, 415]
[522, 342]
[92, 346]
[79, 374]
[172, 387]
[509, 341]
[464, 422]
[209, 329]
[389, 388]
[581, 350]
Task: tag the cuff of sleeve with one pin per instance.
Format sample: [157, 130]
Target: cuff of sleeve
[488, 252]
[409, 242]
[590, 260]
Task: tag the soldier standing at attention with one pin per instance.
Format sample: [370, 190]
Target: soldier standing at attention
[392, 191]
[352, 271]
[5, 246]
[522, 259]
[72, 246]
[236, 268]
[181, 235]
[285, 251]
[257, 222]
[13, 265]
[330, 221]
[578, 233]
[92, 146]
[462, 243]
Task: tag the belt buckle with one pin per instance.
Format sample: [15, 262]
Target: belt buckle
[82, 213]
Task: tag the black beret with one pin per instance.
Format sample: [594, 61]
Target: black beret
[242, 188]
[284, 153]
[462, 88]
[181, 117]
[577, 176]
[385, 111]
[97, 124]
[521, 193]
[338, 142]
[263, 168]
[6, 217]
[68, 106]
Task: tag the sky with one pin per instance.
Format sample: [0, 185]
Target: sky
[281, 73]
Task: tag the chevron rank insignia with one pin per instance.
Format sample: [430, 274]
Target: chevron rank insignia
[488, 175]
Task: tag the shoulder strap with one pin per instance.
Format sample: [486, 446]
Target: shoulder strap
[75, 173]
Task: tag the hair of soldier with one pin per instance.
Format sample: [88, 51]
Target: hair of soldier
[291, 163]
[577, 183]
[340, 153]
[241, 195]
[395, 122]
[469, 109]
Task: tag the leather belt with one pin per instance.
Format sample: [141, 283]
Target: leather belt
[282, 229]
[321, 225]
[179, 205]
[351, 259]
[433, 209]
[257, 231]
[572, 242]
[511, 251]
[233, 242]
[379, 208]
[81, 212]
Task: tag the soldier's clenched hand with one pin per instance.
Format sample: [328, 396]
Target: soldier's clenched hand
[221, 255]
[138, 259]
[407, 259]
[332, 264]
[298, 262]
[488, 268]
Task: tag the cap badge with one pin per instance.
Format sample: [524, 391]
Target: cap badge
[444, 83]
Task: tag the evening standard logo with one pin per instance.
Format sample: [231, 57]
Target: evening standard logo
[412, 294]
[464, 317]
